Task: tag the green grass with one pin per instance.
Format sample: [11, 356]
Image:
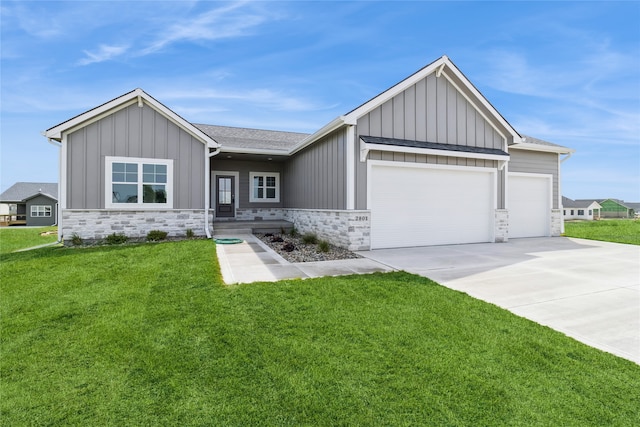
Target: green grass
[148, 335]
[14, 238]
[609, 230]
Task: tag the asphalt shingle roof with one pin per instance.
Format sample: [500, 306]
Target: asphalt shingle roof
[431, 145]
[235, 137]
[24, 190]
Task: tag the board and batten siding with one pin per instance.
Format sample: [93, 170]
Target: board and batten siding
[432, 110]
[315, 178]
[133, 132]
[536, 162]
[219, 166]
[41, 200]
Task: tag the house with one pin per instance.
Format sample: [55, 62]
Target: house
[428, 161]
[580, 209]
[30, 203]
[613, 208]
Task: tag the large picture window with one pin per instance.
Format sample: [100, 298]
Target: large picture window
[39, 211]
[138, 183]
[264, 187]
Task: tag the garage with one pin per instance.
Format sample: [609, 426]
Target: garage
[422, 204]
[529, 204]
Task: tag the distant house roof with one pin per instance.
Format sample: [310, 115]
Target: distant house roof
[579, 204]
[21, 191]
[244, 139]
[618, 201]
[634, 205]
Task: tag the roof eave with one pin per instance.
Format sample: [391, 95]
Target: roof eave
[545, 148]
[336, 123]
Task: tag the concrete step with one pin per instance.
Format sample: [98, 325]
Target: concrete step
[231, 231]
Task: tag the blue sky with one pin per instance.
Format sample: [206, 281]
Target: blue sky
[566, 72]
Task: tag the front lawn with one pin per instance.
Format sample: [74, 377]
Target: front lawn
[14, 238]
[148, 335]
[608, 230]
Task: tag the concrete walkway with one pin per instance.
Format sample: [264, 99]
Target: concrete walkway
[586, 289]
[253, 261]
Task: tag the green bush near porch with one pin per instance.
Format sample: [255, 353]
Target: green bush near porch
[148, 335]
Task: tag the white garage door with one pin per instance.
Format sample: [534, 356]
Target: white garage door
[420, 206]
[529, 204]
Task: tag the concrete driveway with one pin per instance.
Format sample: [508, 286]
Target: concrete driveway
[586, 289]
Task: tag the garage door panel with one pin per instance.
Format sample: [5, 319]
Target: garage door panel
[529, 205]
[414, 206]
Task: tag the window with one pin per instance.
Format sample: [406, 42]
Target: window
[580, 211]
[571, 211]
[134, 183]
[38, 210]
[564, 212]
[265, 187]
[590, 212]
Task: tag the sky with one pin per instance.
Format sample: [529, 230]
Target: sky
[565, 72]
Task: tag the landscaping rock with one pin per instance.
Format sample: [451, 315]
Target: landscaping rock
[293, 249]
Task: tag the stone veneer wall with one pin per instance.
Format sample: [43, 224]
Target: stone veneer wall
[347, 229]
[501, 226]
[556, 222]
[256, 214]
[94, 225]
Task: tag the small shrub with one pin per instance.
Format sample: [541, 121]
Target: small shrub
[288, 247]
[116, 239]
[323, 246]
[277, 239]
[156, 235]
[310, 238]
[293, 232]
[190, 234]
[76, 240]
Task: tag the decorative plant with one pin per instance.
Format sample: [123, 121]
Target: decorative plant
[323, 246]
[310, 238]
[156, 235]
[116, 239]
[190, 233]
[76, 240]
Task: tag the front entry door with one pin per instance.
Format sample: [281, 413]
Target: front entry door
[226, 196]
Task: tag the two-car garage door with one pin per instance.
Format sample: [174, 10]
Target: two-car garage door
[420, 205]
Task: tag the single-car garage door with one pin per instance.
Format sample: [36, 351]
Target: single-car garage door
[416, 205]
[529, 204]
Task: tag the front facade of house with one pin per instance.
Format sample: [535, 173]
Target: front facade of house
[612, 208]
[427, 162]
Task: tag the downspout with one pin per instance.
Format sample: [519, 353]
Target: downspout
[59, 145]
[207, 190]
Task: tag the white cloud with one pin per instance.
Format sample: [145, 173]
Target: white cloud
[104, 53]
[224, 22]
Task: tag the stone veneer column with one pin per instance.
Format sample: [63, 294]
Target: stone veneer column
[501, 225]
[556, 222]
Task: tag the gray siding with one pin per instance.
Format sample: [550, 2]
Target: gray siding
[315, 178]
[432, 110]
[243, 168]
[44, 220]
[133, 132]
[536, 162]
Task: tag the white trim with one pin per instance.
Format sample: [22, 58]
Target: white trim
[44, 211]
[351, 168]
[365, 147]
[265, 151]
[372, 163]
[539, 147]
[62, 186]
[325, 130]
[139, 205]
[275, 175]
[214, 189]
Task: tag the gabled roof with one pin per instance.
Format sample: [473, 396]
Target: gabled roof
[244, 140]
[535, 144]
[579, 204]
[135, 96]
[22, 191]
[443, 66]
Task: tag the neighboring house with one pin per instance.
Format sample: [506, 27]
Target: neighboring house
[30, 203]
[429, 161]
[580, 209]
[612, 208]
[635, 209]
